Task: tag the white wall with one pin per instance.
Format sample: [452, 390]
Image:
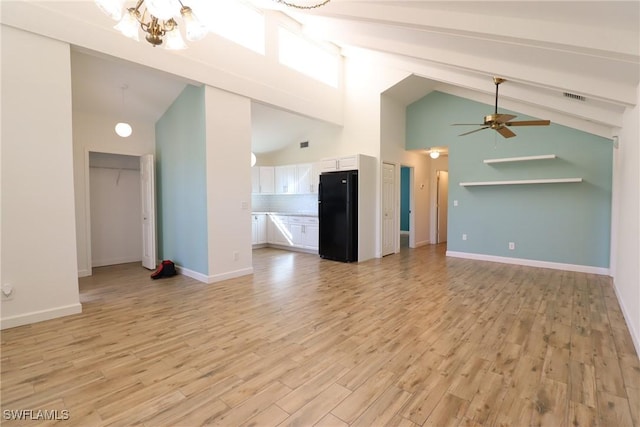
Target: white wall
[626, 213]
[324, 141]
[116, 212]
[95, 133]
[365, 80]
[38, 230]
[228, 128]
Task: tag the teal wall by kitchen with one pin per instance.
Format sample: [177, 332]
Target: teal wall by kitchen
[566, 223]
[404, 198]
[181, 182]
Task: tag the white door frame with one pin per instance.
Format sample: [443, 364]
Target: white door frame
[148, 198]
[412, 218]
[87, 194]
[395, 225]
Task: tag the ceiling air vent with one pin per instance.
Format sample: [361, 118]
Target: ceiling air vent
[574, 96]
[304, 144]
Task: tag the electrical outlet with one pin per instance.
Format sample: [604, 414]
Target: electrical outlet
[455, 203]
[236, 256]
[512, 246]
[464, 237]
[7, 292]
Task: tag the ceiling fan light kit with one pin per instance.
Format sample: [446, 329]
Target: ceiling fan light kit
[501, 122]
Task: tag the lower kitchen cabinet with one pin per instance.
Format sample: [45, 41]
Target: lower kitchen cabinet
[259, 229]
[304, 232]
[295, 232]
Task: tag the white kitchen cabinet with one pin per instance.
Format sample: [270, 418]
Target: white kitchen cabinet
[255, 180]
[278, 230]
[304, 232]
[316, 170]
[263, 181]
[259, 229]
[311, 233]
[285, 177]
[345, 163]
[304, 178]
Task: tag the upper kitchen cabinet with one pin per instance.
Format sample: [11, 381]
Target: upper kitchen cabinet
[286, 181]
[346, 163]
[262, 180]
[308, 177]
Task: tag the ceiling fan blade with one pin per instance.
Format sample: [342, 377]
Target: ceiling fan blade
[467, 124]
[475, 130]
[506, 132]
[530, 123]
[503, 118]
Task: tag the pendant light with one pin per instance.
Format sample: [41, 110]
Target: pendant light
[123, 129]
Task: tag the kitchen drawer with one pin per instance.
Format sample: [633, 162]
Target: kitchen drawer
[308, 220]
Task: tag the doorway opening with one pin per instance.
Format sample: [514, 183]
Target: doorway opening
[115, 209]
[406, 228]
[120, 209]
[442, 205]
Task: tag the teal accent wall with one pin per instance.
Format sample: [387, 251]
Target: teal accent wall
[404, 198]
[181, 181]
[563, 223]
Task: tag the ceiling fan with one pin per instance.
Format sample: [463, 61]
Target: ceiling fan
[501, 122]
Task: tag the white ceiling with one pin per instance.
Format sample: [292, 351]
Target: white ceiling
[544, 48]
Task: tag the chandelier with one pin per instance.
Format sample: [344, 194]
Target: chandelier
[157, 19]
[302, 4]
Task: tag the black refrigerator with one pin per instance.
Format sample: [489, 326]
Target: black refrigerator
[338, 215]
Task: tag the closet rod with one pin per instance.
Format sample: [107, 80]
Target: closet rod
[118, 169]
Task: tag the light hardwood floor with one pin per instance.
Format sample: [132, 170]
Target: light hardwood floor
[411, 339]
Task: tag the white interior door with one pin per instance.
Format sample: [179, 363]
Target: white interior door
[442, 206]
[147, 175]
[388, 209]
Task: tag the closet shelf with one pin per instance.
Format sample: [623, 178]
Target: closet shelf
[520, 182]
[520, 159]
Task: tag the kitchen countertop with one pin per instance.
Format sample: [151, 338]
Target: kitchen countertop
[310, 214]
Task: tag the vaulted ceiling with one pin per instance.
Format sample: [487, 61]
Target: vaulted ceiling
[545, 49]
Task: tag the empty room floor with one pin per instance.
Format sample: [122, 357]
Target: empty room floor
[414, 338]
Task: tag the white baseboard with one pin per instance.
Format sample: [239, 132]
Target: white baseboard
[114, 261]
[531, 263]
[84, 273]
[193, 274]
[635, 335]
[422, 243]
[216, 277]
[39, 316]
[230, 275]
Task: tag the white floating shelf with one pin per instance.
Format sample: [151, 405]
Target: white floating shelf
[521, 159]
[520, 182]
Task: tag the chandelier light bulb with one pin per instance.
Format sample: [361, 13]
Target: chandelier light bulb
[128, 25]
[173, 40]
[163, 9]
[195, 29]
[434, 154]
[123, 129]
